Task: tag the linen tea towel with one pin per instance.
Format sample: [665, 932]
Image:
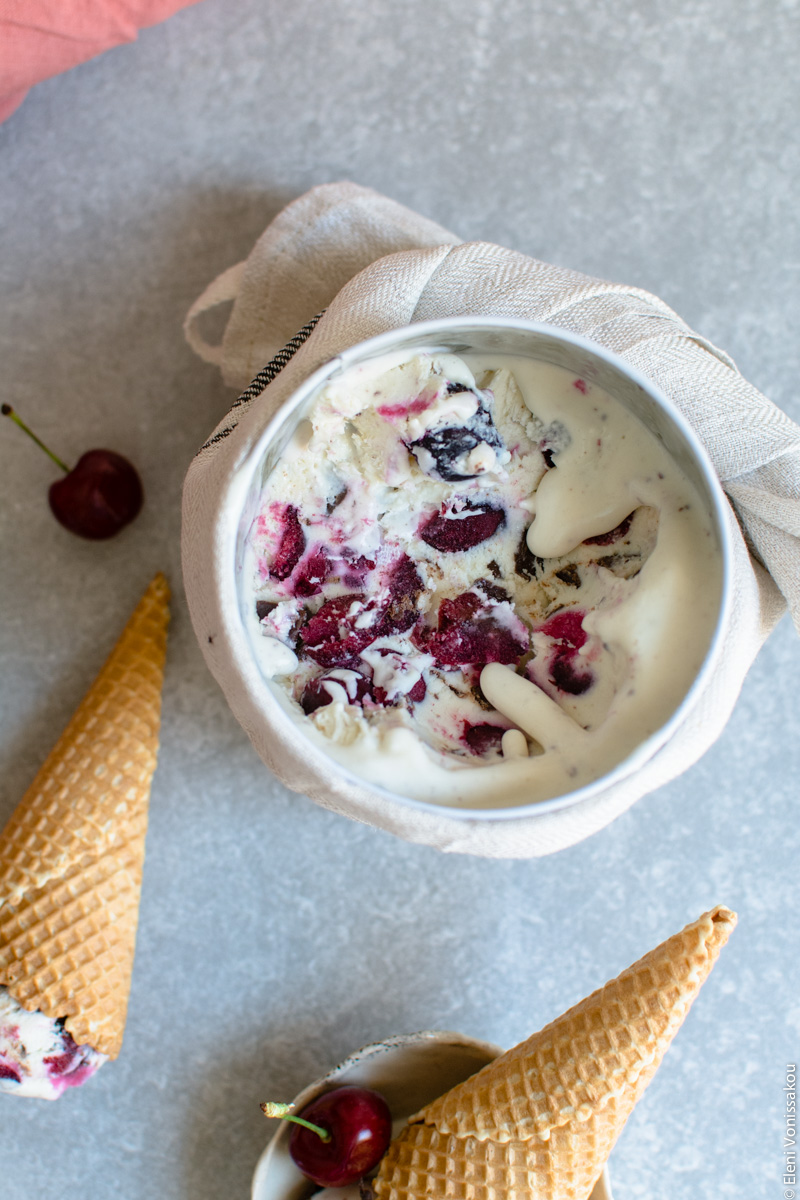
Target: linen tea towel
[342, 264]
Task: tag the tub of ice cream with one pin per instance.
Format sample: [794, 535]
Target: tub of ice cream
[479, 565]
[410, 1071]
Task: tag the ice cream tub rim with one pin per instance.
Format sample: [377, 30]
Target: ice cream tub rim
[452, 335]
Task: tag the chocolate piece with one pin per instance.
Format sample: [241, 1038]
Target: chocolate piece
[570, 575]
[527, 564]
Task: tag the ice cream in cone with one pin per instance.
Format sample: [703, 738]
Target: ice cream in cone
[71, 865]
[539, 1122]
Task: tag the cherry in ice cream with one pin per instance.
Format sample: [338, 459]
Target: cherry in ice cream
[291, 545]
[607, 539]
[98, 497]
[349, 683]
[568, 635]
[470, 632]
[339, 1136]
[456, 531]
[449, 448]
[482, 739]
[336, 634]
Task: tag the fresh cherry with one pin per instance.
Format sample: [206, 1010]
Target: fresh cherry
[98, 497]
[339, 1136]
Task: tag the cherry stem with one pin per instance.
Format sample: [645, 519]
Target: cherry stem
[8, 411]
[284, 1112]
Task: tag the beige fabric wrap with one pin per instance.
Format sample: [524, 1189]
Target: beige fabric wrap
[374, 265]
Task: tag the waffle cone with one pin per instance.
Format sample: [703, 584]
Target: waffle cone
[541, 1120]
[71, 855]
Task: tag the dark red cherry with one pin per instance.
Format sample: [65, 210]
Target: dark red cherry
[404, 586]
[470, 634]
[334, 637]
[613, 535]
[290, 547]
[100, 495]
[352, 1128]
[566, 628]
[317, 695]
[450, 533]
[447, 446]
[481, 739]
[566, 670]
[61, 1064]
[567, 678]
[312, 574]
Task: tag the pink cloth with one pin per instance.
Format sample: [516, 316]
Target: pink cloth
[40, 38]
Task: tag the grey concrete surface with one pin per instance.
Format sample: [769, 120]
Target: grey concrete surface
[655, 144]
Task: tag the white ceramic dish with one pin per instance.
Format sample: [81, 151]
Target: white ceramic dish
[495, 337]
[410, 1071]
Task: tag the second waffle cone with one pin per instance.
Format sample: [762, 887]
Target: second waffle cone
[541, 1120]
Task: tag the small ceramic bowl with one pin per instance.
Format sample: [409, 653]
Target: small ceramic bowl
[410, 1071]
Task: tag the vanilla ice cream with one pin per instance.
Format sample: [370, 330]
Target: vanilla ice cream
[470, 578]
